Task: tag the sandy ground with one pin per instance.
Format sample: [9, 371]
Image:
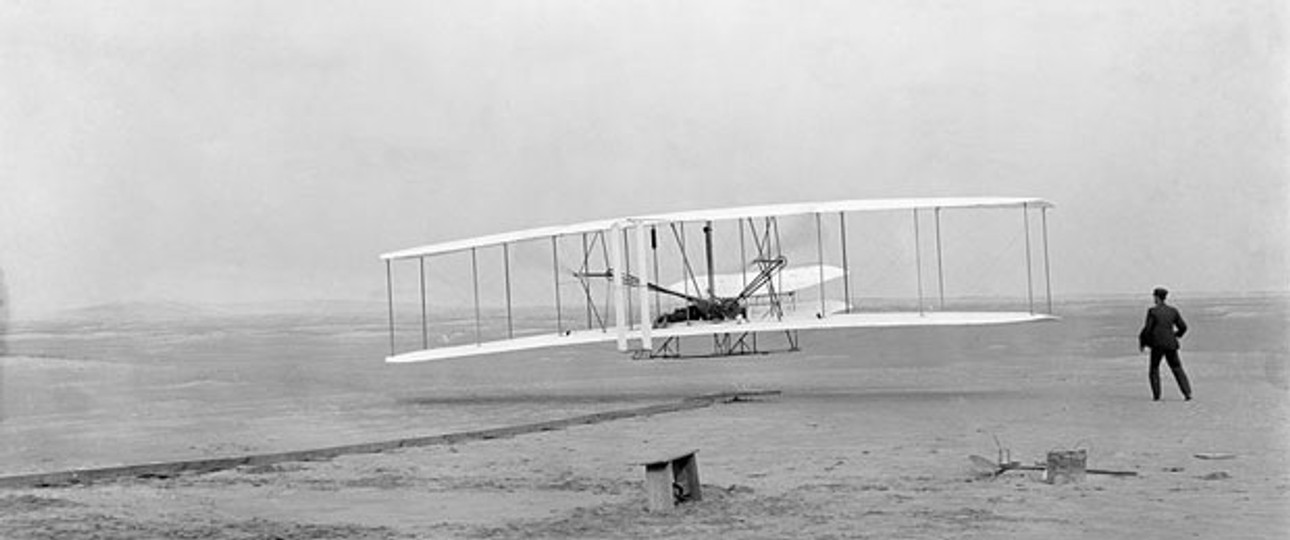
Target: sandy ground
[883, 454]
[869, 438]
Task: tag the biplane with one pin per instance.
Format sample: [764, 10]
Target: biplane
[744, 280]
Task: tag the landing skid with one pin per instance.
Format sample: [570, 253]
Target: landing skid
[723, 345]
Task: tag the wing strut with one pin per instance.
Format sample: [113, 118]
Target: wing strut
[743, 255]
[1030, 288]
[620, 296]
[425, 330]
[506, 264]
[846, 270]
[940, 271]
[645, 319]
[653, 247]
[586, 288]
[389, 294]
[555, 273]
[819, 251]
[1048, 275]
[627, 267]
[474, 278]
[707, 249]
[918, 263]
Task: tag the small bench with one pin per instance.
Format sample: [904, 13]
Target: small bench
[671, 481]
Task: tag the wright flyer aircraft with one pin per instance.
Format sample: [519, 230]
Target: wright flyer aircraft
[724, 281]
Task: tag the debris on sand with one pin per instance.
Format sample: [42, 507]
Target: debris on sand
[1066, 466]
[985, 467]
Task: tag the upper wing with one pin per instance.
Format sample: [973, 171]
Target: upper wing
[774, 210]
[853, 205]
[499, 239]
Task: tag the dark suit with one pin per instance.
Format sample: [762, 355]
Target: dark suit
[1161, 332]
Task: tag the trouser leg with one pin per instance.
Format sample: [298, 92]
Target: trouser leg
[1175, 365]
[1153, 374]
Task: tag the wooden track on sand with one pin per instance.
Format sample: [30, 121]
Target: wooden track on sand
[169, 469]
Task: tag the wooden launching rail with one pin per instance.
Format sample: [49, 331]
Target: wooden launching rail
[169, 469]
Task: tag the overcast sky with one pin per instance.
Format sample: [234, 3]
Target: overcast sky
[242, 151]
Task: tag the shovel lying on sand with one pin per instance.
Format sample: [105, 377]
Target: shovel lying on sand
[995, 469]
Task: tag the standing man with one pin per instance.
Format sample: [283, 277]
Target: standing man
[1163, 328]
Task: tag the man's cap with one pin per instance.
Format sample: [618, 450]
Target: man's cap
[1160, 293]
